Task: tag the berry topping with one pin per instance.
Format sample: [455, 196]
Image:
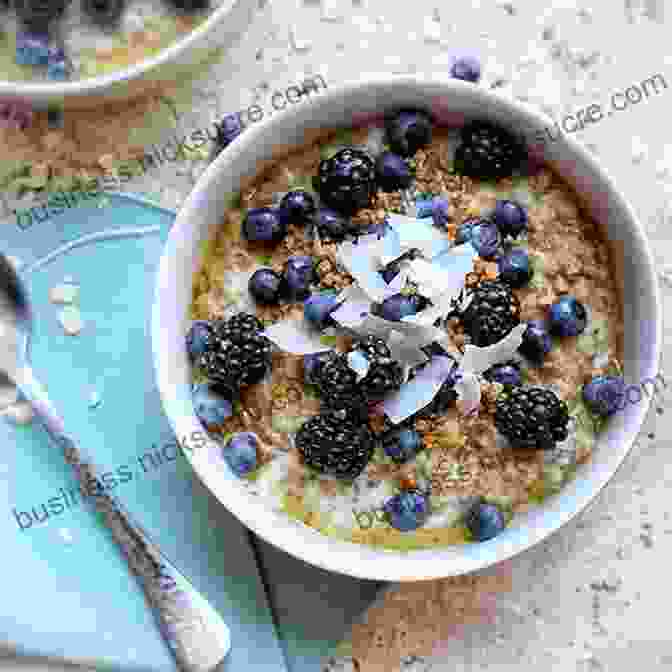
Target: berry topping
[407, 511]
[263, 225]
[198, 338]
[485, 238]
[32, 48]
[297, 207]
[266, 286]
[384, 374]
[510, 217]
[318, 307]
[228, 129]
[398, 306]
[485, 521]
[491, 314]
[408, 130]
[441, 211]
[514, 267]
[532, 418]
[212, 404]
[401, 445]
[487, 151]
[392, 172]
[299, 274]
[536, 342]
[190, 5]
[39, 14]
[238, 354]
[605, 395]
[506, 374]
[467, 68]
[337, 383]
[332, 224]
[333, 444]
[347, 180]
[104, 12]
[465, 229]
[241, 452]
[567, 317]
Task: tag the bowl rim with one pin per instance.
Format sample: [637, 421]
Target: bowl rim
[366, 562]
[100, 83]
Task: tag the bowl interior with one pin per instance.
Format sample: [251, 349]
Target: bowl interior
[451, 102]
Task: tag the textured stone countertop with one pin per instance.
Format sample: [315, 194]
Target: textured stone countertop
[589, 598]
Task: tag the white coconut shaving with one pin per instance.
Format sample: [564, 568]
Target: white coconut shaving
[355, 307]
[477, 360]
[419, 234]
[295, 337]
[415, 394]
[468, 389]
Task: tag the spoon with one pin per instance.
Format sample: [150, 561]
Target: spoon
[196, 634]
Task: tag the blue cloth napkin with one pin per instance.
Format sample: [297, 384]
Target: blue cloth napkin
[67, 591]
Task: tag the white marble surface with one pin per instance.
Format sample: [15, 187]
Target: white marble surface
[561, 55]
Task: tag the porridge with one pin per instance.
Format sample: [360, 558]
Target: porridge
[60, 40]
[404, 334]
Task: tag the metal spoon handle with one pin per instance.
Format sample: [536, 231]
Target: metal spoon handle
[195, 632]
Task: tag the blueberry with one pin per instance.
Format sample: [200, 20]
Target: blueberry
[318, 307]
[392, 172]
[228, 129]
[333, 224]
[408, 130]
[104, 12]
[536, 341]
[58, 71]
[485, 521]
[241, 452]
[297, 207]
[310, 363]
[510, 217]
[198, 338]
[440, 211]
[212, 404]
[407, 511]
[402, 445]
[266, 286]
[398, 306]
[380, 229]
[423, 207]
[465, 229]
[506, 374]
[485, 238]
[263, 225]
[299, 274]
[467, 68]
[605, 395]
[514, 267]
[32, 48]
[567, 316]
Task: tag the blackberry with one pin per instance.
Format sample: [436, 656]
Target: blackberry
[347, 180]
[492, 312]
[333, 444]
[384, 374]
[487, 151]
[532, 417]
[39, 14]
[237, 354]
[337, 384]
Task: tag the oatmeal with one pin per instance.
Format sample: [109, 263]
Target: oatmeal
[70, 40]
[423, 336]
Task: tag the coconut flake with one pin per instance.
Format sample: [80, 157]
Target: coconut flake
[415, 394]
[354, 309]
[419, 234]
[363, 261]
[295, 337]
[468, 388]
[477, 360]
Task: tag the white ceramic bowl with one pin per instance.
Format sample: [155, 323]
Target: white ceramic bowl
[179, 60]
[451, 101]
